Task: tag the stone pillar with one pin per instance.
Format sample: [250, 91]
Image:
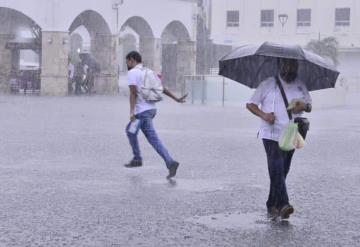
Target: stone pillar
[126, 44]
[150, 48]
[186, 61]
[103, 48]
[15, 60]
[54, 63]
[5, 63]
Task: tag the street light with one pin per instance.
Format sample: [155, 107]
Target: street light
[118, 4]
[283, 19]
[116, 7]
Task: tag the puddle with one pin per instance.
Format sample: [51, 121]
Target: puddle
[142, 170]
[94, 187]
[243, 221]
[193, 185]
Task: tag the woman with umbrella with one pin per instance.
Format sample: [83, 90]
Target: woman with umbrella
[280, 74]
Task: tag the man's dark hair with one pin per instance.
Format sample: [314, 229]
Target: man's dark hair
[134, 55]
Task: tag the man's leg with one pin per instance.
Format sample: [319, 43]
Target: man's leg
[271, 202]
[276, 164]
[77, 85]
[133, 140]
[288, 158]
[148, 129]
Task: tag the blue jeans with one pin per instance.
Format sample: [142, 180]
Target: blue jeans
[278, 165]
[147, 127]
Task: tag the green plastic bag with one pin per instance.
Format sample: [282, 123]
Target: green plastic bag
[288, 137]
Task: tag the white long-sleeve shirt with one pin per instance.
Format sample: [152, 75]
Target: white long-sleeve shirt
[268, 97]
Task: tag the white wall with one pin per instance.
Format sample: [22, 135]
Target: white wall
[323, 22]
[350, 62]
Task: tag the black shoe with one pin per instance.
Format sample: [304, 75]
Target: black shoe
[286, 211]
[172, 170]
[133, 164]
[273, 212]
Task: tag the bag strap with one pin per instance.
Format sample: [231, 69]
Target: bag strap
[145, 76]
[286, 102]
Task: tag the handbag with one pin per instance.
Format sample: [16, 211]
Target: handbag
[289, 137]
[303, 123]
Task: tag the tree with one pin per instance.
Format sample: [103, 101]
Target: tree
[327, 48]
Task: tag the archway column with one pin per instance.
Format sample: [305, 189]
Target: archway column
[103, 48]
[179, 54]
[126, 44]
[5, 62]
[151, 48]
[54, 63]
[186, 61]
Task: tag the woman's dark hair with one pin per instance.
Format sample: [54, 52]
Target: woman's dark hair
[134, 55]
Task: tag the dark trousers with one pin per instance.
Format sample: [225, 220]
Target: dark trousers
[278, 165]
[78, 81]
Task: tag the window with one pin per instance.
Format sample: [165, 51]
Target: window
[267, 18]
[232, 18]
[303, 17]
[342, 17]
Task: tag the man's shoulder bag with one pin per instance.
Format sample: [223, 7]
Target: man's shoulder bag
[303, 123]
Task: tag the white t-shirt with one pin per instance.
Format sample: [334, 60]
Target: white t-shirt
[268, 96]
[135, 78]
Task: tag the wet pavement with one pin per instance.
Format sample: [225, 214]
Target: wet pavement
[62, 182]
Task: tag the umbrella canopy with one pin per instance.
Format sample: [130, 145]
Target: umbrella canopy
[90, 60]
[251, 64]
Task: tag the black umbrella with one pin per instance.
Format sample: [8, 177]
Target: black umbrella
[90, 61]
[251, 64]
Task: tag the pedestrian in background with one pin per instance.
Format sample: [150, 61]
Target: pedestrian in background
[142, 113]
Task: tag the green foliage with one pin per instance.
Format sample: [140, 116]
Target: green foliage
[327, 47]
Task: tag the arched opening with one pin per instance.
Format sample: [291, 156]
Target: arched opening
[178, 54]
[76, 46]
[80, 41]
[175, 32]
[91, 38]
[128, 41]
[136, 34]
[20, 52]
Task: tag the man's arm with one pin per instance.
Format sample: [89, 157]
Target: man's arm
[303, 105]
[171, 95]
[268, 117]
[133, 97]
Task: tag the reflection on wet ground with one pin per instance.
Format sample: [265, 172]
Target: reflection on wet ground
[244, 221]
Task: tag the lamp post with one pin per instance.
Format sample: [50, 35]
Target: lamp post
[116, 7]
[283, 18]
